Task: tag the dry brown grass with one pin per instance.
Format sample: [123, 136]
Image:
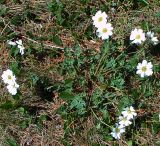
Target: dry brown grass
[52, 131]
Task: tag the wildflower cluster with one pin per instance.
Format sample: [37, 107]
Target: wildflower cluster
[124, 120]
[104, 28]
[19, 44]
[9, 78]
[152, 38]
[138, 36]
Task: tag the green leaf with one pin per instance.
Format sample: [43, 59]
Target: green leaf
[21, 110]
[145, 2]
[158, 142]
[57, 40]
[14, 51]
[69, 83]
[117, 82]
[129, 143]
[17, 96]
[14, 66]
[43, 118]
[11, 142]
[125, 102]
[79, 104]
[156, 123]
[34, 78]
[3, 10]
[108, 137]
[105, 114]
[66, 95]
[23, 124]
[7, 105]
[17, 20]
[158, 14]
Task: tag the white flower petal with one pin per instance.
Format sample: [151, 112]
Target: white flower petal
[19, 42]
[11, 43]
[139, 66]
[21, 49]
[116, 132]
[138, 72]
[144, 63]
[99, 19]
[12, 89]
[150, 34]
[149, 72]
[132, 37]
[131, 108]
[142, 75]
[149, 65]
[154, 40]
[129, 113]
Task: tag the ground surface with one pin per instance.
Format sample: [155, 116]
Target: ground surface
[70, 92]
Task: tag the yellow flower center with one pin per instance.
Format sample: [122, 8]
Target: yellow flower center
[144, 68]
[129, 111]
[104, 30]
[100, 19]
[9, 77]
[117, 130]
[124, 119]
[138, 36]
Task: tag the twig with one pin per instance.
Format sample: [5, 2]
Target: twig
[6, 25]
[47, 45]
[100, 119]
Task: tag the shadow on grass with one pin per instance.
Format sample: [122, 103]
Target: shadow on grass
[155, 50]
[131, 48]
[42, 91]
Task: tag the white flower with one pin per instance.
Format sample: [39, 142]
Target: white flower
[19, 44]
[12, 88]
[124, 121]
[105, 31]
[154, 40]
[8, 77]
[11, 43]
[144, 68]
[21, 49]
[129, 112]
[99, 19]
[116, 132]
[151, 36]
[137, 36]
